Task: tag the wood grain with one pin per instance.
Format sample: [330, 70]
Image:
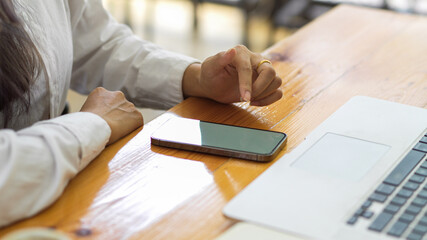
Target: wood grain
[137, 191]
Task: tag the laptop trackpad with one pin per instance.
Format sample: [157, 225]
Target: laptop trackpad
[341, 156]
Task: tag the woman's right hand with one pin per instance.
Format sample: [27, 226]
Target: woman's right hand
[120, 114]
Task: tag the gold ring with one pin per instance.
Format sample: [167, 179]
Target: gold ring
[263, 61]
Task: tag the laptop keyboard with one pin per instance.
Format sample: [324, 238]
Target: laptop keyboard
[403, 194]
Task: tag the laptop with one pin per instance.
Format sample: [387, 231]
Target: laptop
[361, 174]
[248, 231]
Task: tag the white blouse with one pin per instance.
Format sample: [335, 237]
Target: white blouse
[83, 47]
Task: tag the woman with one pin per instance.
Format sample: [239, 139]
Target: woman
[48, 46]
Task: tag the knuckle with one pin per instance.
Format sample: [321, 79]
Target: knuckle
[245, 68]
[119, 94]
[130, 105]
[98, 90]
[241, 47]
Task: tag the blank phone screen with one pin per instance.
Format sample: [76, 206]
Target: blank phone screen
[200, 133]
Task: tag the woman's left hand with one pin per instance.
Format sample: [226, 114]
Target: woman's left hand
[232, 76]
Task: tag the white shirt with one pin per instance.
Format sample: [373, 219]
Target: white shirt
[82, 48]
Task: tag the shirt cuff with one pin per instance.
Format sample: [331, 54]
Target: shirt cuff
[166, 70]
[90, 130]
[177, 76]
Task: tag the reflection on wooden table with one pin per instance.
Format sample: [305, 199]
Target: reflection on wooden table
[139, 191]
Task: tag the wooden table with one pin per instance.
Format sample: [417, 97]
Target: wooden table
[134, 190]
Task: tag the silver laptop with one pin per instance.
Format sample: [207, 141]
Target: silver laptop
[360, 175]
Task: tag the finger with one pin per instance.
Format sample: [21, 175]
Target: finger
[127, 106]
[274, 85]
[226, 58]
[135, 118]
[221, 60]
[275, 96]
[139, 119]
[242, 62]
[266, 75]
[118, 94]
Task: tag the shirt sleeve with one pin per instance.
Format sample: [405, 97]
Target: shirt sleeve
[108, 54]
[37, 162]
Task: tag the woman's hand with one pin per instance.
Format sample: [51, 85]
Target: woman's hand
[233, 76]
[120, 114]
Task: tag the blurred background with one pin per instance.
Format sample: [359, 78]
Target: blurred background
[201, 28]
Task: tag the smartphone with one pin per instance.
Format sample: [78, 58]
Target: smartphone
[219, 139]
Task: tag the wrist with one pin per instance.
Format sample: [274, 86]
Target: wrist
[191, 81]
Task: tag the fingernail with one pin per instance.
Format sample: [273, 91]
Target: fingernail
[255, 103]
[247, 96]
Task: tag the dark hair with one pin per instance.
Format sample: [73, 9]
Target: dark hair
[20, 62]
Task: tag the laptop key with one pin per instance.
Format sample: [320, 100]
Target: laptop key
[404, 193]
[420, 229]
[423, 221]
[411, 186]
[408, 218]
[366, 204]
[422, 194]
[424, 164]
[421, 202]
[367, 214]
[352, 220]
[421, 172]
[378, 197]
[424, 139]
[421, 147]
[417, 179]
[398, 229]
[391, 208]
[413, 209]
[405, 166]
[359, 212]
[414, 236]
[385, 189]
[398, 201]
[381, 221]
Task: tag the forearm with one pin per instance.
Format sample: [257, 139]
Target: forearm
[111, 56]
[37, 162]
